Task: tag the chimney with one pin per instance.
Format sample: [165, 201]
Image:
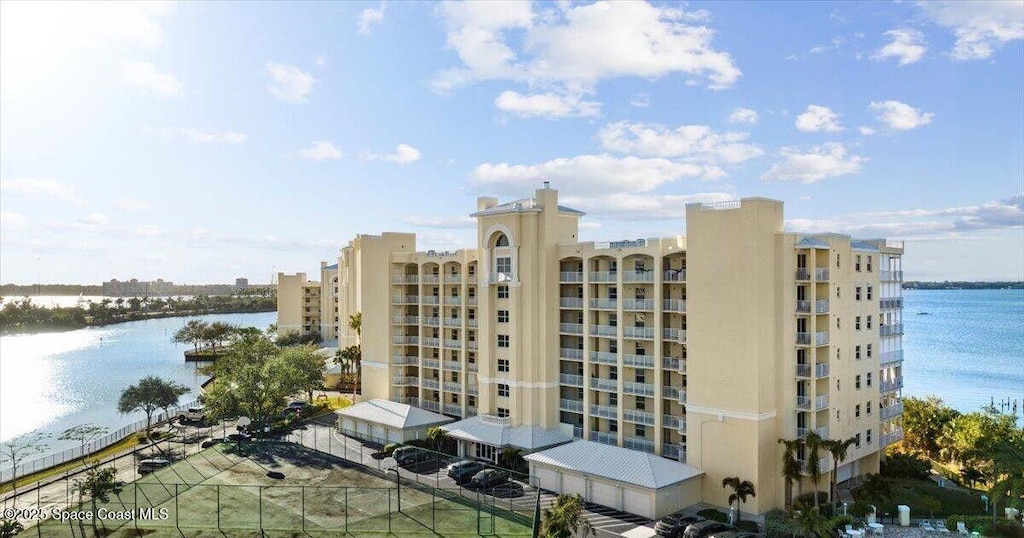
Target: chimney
[547, 184]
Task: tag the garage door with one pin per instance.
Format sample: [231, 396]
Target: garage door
[639, 503]
[395, 436]
[604, 494]
[362, 428]
[572, 483]
[348, 424]
[548, 479]
[378, 432]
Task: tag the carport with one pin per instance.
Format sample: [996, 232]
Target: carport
[384, 421]
[628, 480]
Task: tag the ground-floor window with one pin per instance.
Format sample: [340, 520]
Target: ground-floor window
[485, 451]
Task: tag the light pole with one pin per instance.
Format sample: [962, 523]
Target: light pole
[398, 486]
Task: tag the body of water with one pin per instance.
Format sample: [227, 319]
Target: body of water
[75, 300]
[52, 381]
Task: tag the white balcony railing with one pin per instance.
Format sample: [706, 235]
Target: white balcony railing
[431, 405]
[431, 342]
[821, 306]
[405, 299]
[820, 370]
[575, 406]
[571, 380]
[638, 276]
[432, 384]
[570, 276]
[570, 328]
[431, 321]
[891, 437]
[603, 330]
[453, 301]
[645, 333]
[638, 304]
[404, 360]
[432, 363]
[404, 381]
[892, 410]
[453, 322]
[890, 385]
[821, 275]
[599, 383]
[674, 451]
[890, 276]
[570, 302]
[452, 344]
[803, 370]
[892, 329]
[638, 361]
[403, 340]
[674, 275]
[604, 357]
[452, 386]
[604, 411]
[453, 366]
[674, 305]
[453, 279]
[571, 354]
[670, 393]
[821, 338]
[431, 279]
[453, 409]
[603, 276]
[803, 402]
[803, 306]
[642, 445]
[637, 389]
[604, 304]
[803, 273]
[675, 335]
[821, 402]
[638, 416]
[605, 438]
[500, 278]
[670, 363]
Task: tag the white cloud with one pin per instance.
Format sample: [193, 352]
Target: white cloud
[204, 137]
[865, 130]
[586, 173]
[368, 17]
[743, 115]
[95, 219]
[320, 150]
[403, 154]
[44, 188]
[818, 118]
[640, 100]
[549, 105]
[290, 84]
[132, 205]
[900, 116]
[441, 222]
[589, 225]
[980, 26]
[145, 75]
[576, 46]
[11, 221]
[625, 206]
[693, 143]
[821, 162]
[907, 46]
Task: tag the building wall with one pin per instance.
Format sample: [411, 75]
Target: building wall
[290, 302]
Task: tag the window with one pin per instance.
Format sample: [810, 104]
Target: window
[502, 412]
[503, 390]
[613, 266]
[502, 340]
[837, 384]
[640, 430]
[638, 266]
[641, 403]
[613, 346]
[838, 295]
[869, 436]
[870, 289]
[869, 264]
[856, 411]
[502, 316]
[856, 323]
[503, 365]
[867, 410]
[640, 294]
[502, 241]
[869, 379]
[838, 324]
[613, 372]
[471, 401]
[503, 292]
[613, 293]
[856, 295]
[856, 382]
[837, 414]
[869, 351]
[613, 399]
[503, 265]
[837, 260]
[856, 264]
[856, 352]
[839, 354]
[640, 377]
[613, 320]
[455, 377]
[455, 398]
[857, 440]
[472, 270]
[472, 313]
[869, 322]
[613, 426]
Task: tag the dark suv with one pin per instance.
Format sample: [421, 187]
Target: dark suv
[489, 478]
[674, 525]
[704, 529]
[410, 454]
[463, 471]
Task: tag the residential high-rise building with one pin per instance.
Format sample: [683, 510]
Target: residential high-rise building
[706, 349]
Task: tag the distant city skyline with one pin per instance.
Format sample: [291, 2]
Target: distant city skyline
[202, 142]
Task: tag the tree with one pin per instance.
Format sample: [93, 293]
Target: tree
[98, 483]
[792, 471]
[9, 528]
[512, 458]
[875, 490]
[565, 518]
[437, 438]
[355, 322]
[150, 394]
[838, 449]
[924, 420]
[1008, 470]
[191, 333]
[306, 365]
[813, 442]
[14, 452]
[216, 333]
[740, 491]
[83, 433]
[814, 524]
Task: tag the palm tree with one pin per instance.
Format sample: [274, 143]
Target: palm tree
[511, 458]
[791, 468]
[875, 490]
[437, 438]
[814, 443]
[838, 450]
[814, 524]
[565, 518]
[740, 491]
[355, 322]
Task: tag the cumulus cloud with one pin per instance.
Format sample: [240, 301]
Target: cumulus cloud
[131, 205]
[549, 105]
[145, 75]
[821, 162]
[866, 131]
[403, 154]
[289, 83]
[907, 46]
[640, 100]
[981, 26]
[320, 150]
[205, 137]
[743, 115]
[12, 221]
[42, 188]
[693, 143]
[370, 16]
[589, 225]
[441, 222]
[900, 116]
[818, 118]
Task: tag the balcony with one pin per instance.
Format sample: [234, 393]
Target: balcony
[821, 275]
[803, 273]
[453, 366]
[637, 389]
[471, 345]
[803, 402]
[643, 333]
[430, 405]
[570, 328]
[604, 411]
[803, 370]
[895, 384]
[405, 299]
[636, 443]
[638, 361]
[670, 363]
[413, 401]
[674, 305]
[452, 344]
[891, 437]
[494, 420]
[822, 466]
[453, 301]
[453, 279]
[570, 302]
[605, 438]
[431, 279]
[604, 357]
[405, 279]
[570, 276]
[432, 384]
[675, 423]
[603, 276]
[822, 432]
[471, 322]
[573, 406]
[404, 381]
[571, 354]
[432, 363]
[403, 340]
[473, 367]
[637, 416]
[453, 322]
[673, 393]
[604, 330]
[644, 305]
[431, 321]
[804, 307]
[674, 451]
[403, 360]
[500, 278]
[890, 358]
[405, 320]
[892, 329]
[891, 302]
[820, 370]
[577, 432]
[890, 276]
[472, 390]
[599, 383]
[821, 306]
[675, 275]
[604, 304]
[821, 402]
[638, 276]
[431, 299]
[571, 380]
[452, 386]
[675, 335]
[471, 411]
[453, 409]
[891, 411]
[430, 342]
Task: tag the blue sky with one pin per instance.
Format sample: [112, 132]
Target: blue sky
[199, 142]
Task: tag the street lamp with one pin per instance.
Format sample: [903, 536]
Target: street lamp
[398, 486]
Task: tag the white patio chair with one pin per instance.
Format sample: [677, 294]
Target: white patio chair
[961, 527]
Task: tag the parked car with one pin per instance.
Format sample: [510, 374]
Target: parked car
[298, 405]
[704, 529]
[488, 478]
[465, 470]
[409, 455]
[150, 465]
[195, 413]
[673, 526]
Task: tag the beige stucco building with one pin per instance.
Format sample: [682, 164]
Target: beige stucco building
[706, 349]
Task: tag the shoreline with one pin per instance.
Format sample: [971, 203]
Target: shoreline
[132, 317]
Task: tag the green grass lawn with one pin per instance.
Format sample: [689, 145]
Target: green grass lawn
[912, 492]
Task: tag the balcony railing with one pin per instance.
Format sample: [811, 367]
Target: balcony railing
[671, 363]
[604, 357]
[604, 411]
[821, 338]
[637, 389]
[409, 400]
[892, 410]
[895, 384]
[430, 342]
[891, 437]
[453, 409]
[638, 361]
[637, 416]
[571, 354]
[802, 273]
[822, 432]
[405, 320]
[674, 451]
[803, 370]
[473, 367]
[892, 329]
[472, 390]
[430, 299]
[471, 411]
[404, 381]
[604, 304]
[605, 438]
[671, 422]
[638, 304]
[452, 386]
[600, 383]
[821, 306]
[453, 366]
[570, 302]
[646, 333]
[890, 276]
[821, 275]
[432, 363]
[431, 405]
[431, 384]
[471, 345]
[453, 279]
[575, 406]
[639, 444]
[674, 335]
[431, 321]
[821, 402]
[603, 276]
[670, 393]
[453, 301]
[471, 322]
[820, 370]
[891, 357]
[674, 275]
[571, 380]
[822, 465]
[405, 299]
[570, 276]
[431, 279]
[674, 305]
[603, 330]
[453, 322]
[402, 360]
[803, 339]
[452, 344]
[405, 340]
[638, 276]
[803, 306]
[570, 328]
[405, 279]
[577, 432]
[803, 402]
[500, 278]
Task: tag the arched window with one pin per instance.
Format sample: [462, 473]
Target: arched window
[502, 241]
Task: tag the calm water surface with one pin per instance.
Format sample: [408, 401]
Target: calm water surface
[53, 381]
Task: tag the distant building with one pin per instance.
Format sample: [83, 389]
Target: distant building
[138, 288]
[241, 284]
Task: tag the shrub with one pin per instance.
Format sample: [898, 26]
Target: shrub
[808, 499]
[1007, 528]
[714, 515]
[974, 523]
[746, 525]
[390, 448]
[778, 524]
[905, 466]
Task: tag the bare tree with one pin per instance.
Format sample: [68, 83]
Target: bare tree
[83, 433]
[16, 450]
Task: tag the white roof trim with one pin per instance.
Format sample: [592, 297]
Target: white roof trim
[616, 463]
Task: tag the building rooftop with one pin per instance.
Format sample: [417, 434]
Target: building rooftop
[523, 205]
[616, 463]
[499, 432]
[392, 414]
